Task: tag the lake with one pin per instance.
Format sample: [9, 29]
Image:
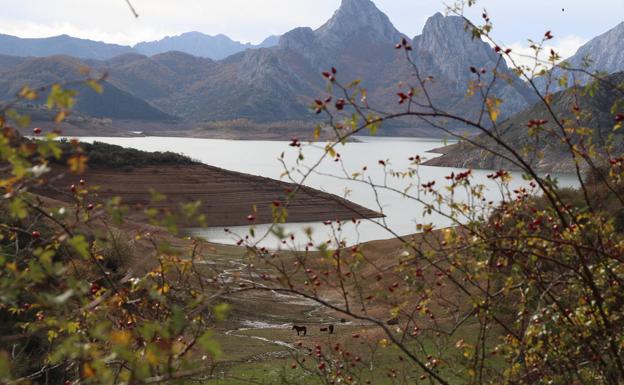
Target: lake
[262, 158]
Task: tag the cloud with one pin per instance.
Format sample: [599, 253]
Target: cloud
[253, 20]
[565, 46]
[111, 20]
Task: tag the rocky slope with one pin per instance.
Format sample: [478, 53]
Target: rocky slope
[446, 50]
[545, 152]
[604, 53]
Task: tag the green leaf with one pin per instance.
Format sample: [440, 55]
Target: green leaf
[18, 209]
[5, 368]
[221, 311]
[80, 244]
[209, 344]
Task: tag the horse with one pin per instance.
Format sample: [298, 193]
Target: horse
[393, 321]
[300, 329]
[329, 328]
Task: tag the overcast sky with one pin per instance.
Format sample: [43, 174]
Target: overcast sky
[572, 21]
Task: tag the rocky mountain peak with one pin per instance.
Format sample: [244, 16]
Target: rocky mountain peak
[446, 49]
[446, 37]
[359, 18]
[441, 29]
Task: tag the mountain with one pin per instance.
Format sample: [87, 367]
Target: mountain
[201, 45]
[545, 152]
[60, 45]
[270, 41]
[168, 81]
[9, 62]
[358, 20]
[605, 53]
[279, 82]
[446, 51]
[193, 43]
[113, 103]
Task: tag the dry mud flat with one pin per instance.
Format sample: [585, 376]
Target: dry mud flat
[227, 197]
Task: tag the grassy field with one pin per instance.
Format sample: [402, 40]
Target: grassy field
[259, 346]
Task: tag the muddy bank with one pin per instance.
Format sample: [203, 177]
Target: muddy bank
[227, 197]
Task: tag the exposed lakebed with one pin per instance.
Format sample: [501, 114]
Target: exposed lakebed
[262, 158]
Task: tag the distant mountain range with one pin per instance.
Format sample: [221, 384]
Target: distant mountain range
[198, 44]
[277, 80]
[60, 45]
[193, 43]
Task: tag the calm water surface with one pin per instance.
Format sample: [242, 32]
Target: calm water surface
[262, 158]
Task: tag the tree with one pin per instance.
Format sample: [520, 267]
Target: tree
[527, 291]
[522, 292]
[73, 308]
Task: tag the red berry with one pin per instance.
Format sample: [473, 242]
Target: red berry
[37, 130]
[36, 234]
[72, 188]
[90, 206]
[251, 217]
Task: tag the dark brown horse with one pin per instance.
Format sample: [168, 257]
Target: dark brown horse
[300, 329]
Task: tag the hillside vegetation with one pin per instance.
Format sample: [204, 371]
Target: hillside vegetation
[581, 110]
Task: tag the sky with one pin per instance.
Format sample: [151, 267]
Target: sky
[573, 22]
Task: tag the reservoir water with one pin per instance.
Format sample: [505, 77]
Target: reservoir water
[263, 158]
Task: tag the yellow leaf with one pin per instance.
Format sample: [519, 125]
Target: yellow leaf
[164, 289]
[87, 371]
[122, 337]
[60, 117]
[95, 86]
[493, 106]
[28, 93]
[152, 358]
[77, 163]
